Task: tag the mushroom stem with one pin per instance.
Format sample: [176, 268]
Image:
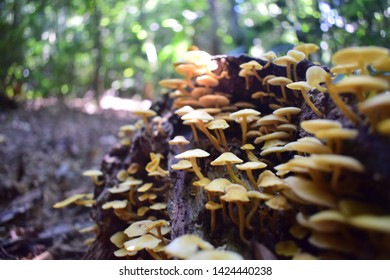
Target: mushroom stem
[343, 107]
[223, 138]
[233, 176]
[196, 169]
[147, 125]
[195, 133]
[212, 222]
[251, 178]
[335, 177]
[209, 136]
[251, 213]
[241, 220]
[224, 212]
[311, 105]
[244, 128]
[231, 213]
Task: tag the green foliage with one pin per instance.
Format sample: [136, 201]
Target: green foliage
[70, 47]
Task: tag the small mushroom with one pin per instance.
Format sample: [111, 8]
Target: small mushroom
[304, 87]
[335, 136]
[219, 125]
[213, 207]
[249, 166]
[96, 176]
[257, 197]
[282, 82]
[243, 117]
[180, 141]
[192, 155]
[238, 196]
[253, 66]
[287, 248]
[147, 242]
[307, 48]
[287, 112]
[145, 114]
[228, 159]
[286, 61]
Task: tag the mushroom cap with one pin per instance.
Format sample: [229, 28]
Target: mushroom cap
[344, 68]
[308, 147]
[339, 160]
[197, 115]
[226, 157]
[144, 226]
[278, 202]
[201, 183]
[309, 191]
[303, 86]
[235, 195]
[271, 136]
[287, 111]
[207, 81]
[146, 241]
[213, 100]
[307, 48]
[186, 245]
[251, 64]
[197, 57]
[70, 200]
[337, 133]
[271, 119]
[312, 126]
[259, 195]
[118, 239]
[331, 241]
[217, 185]
[130, 182]
[145, 187]
[247, 147]
[119, 189]
[211, 205]
[296, 54]
[178, 139]
[195, 153]
[366, 54]
[268, 179]
[362, 82]
[315, 75]
[284, 60]
[159, 206]
[218, 124]
[279, 81]
[184, 110]
[371, 222]
[147, 113]
[115, 204]
[215, 255]
[377, 102]
[92, 173]
[251, 165]
[172, 83]
[181, 165]
[270, 55]
[245, 113]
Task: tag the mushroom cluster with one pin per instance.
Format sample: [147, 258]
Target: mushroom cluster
[262, 154]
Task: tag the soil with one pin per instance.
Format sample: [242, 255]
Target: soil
[43, 150]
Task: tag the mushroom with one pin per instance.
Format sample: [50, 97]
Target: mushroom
[186, 245]
[271, 136]
[131, 183]
[257, 197]
[207, 81]
[315, 76]
[337, 163]
[214, 101]
[228, 159]
[304, 87]
[181, 165]
[115, 204]
[309, 191]
[243, 117]
[177, 84]
[376, 108]
[219, 125]
[383, 127]
[268, 56]
[161, 226]
[313, 126]
[253, 66]
[147, 242]
[286, 61]
[268, 179]
[282, 82]
[180, 141]
[213, 207]
[371, 222]
[248, 149]
[335, 136]
[72, 199]
[145, 114]
[298, 56]
[192, 155]
[287, 112]
[200, 117]
[307, 48]
[249, 166]
[363, 56]
[96, 176]
[238, 196]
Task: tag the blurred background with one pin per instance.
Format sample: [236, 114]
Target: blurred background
[77, 47]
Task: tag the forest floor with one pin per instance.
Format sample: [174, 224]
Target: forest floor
[43, 152]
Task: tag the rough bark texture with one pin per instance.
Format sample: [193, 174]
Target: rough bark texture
[186, 203]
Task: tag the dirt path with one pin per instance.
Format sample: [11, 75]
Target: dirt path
[42, 155]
